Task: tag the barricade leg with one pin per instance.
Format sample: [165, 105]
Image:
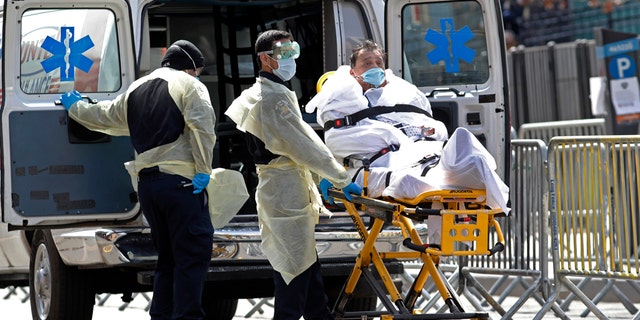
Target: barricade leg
[257, 306]
[12, 291]
[472, 298]
[634, 285]
[567, 301]
[26, 295]
[580, 295]
[551, 303]
[488, 298]
[102, 298]
[494, 288]
[534, 294]
[146, 297]
[625, 300]
[610, 285]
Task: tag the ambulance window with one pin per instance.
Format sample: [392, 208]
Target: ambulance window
[1, 23]
[356, 28]
[445, 44]
[63, 49]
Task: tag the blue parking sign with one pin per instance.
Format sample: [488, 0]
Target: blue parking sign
[622, 66]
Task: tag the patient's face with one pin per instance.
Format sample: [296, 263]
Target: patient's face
[366, 60]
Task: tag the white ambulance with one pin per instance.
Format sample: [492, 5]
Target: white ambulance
[71, 223]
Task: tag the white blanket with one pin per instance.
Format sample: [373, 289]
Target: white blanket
[464, 162]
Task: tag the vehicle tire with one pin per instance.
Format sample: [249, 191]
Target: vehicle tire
[217, 308]
[56, 290]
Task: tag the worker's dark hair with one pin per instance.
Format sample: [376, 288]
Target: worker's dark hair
[266, 39]
[366, 45]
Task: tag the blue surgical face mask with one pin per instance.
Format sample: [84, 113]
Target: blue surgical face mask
[286, 69]
[373, 76]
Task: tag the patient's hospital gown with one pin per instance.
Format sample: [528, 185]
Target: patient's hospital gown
[464, 162]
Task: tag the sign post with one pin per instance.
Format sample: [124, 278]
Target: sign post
[617, 55]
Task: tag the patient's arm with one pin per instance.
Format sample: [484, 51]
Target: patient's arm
[365, 139]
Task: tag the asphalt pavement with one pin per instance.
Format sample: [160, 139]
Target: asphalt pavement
[14, 305]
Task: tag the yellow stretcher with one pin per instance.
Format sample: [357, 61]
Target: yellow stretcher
[465, 219]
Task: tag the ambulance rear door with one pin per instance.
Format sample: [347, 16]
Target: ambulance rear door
[55, 171]
[454, 52]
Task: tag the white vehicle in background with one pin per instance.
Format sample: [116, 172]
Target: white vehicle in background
[71, 223]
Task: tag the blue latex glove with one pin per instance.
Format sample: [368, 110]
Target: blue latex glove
[200, 181]
[352, 188]
[69, 98]
[324, 188]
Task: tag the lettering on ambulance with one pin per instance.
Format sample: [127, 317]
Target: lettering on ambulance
[33, 79]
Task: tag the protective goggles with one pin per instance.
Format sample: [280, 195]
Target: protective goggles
[284, 50]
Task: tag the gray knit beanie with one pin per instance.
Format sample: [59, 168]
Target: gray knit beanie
[182, 55]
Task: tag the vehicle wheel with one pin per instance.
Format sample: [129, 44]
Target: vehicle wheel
[218, 308]
[56, 291]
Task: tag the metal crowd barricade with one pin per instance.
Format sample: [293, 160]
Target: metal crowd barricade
[525, 260]
[13, 290]
[593, 206]
[547, 130]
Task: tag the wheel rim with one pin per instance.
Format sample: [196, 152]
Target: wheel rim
[42, 281]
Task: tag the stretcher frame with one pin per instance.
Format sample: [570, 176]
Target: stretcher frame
[473, 229]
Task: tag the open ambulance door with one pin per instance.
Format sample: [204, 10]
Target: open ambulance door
[55, 171]
[346, 24]
[454, 51]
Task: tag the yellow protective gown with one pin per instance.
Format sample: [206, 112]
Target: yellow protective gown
[192, 152]
[287, 198]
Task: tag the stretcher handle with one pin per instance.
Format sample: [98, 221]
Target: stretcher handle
[419, 247]
[336, 193]
[498, 247]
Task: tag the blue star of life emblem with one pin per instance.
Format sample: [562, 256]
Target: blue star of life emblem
[67, 54]
[450, 45]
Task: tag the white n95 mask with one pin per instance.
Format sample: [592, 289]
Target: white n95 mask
[373, 76]
[286, 69]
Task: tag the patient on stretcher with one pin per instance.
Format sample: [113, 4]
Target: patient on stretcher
[410, 152]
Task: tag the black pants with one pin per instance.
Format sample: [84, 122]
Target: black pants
[183, 236]
[303, 296]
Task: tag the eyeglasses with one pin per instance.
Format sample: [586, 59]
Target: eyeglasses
[284, 50]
